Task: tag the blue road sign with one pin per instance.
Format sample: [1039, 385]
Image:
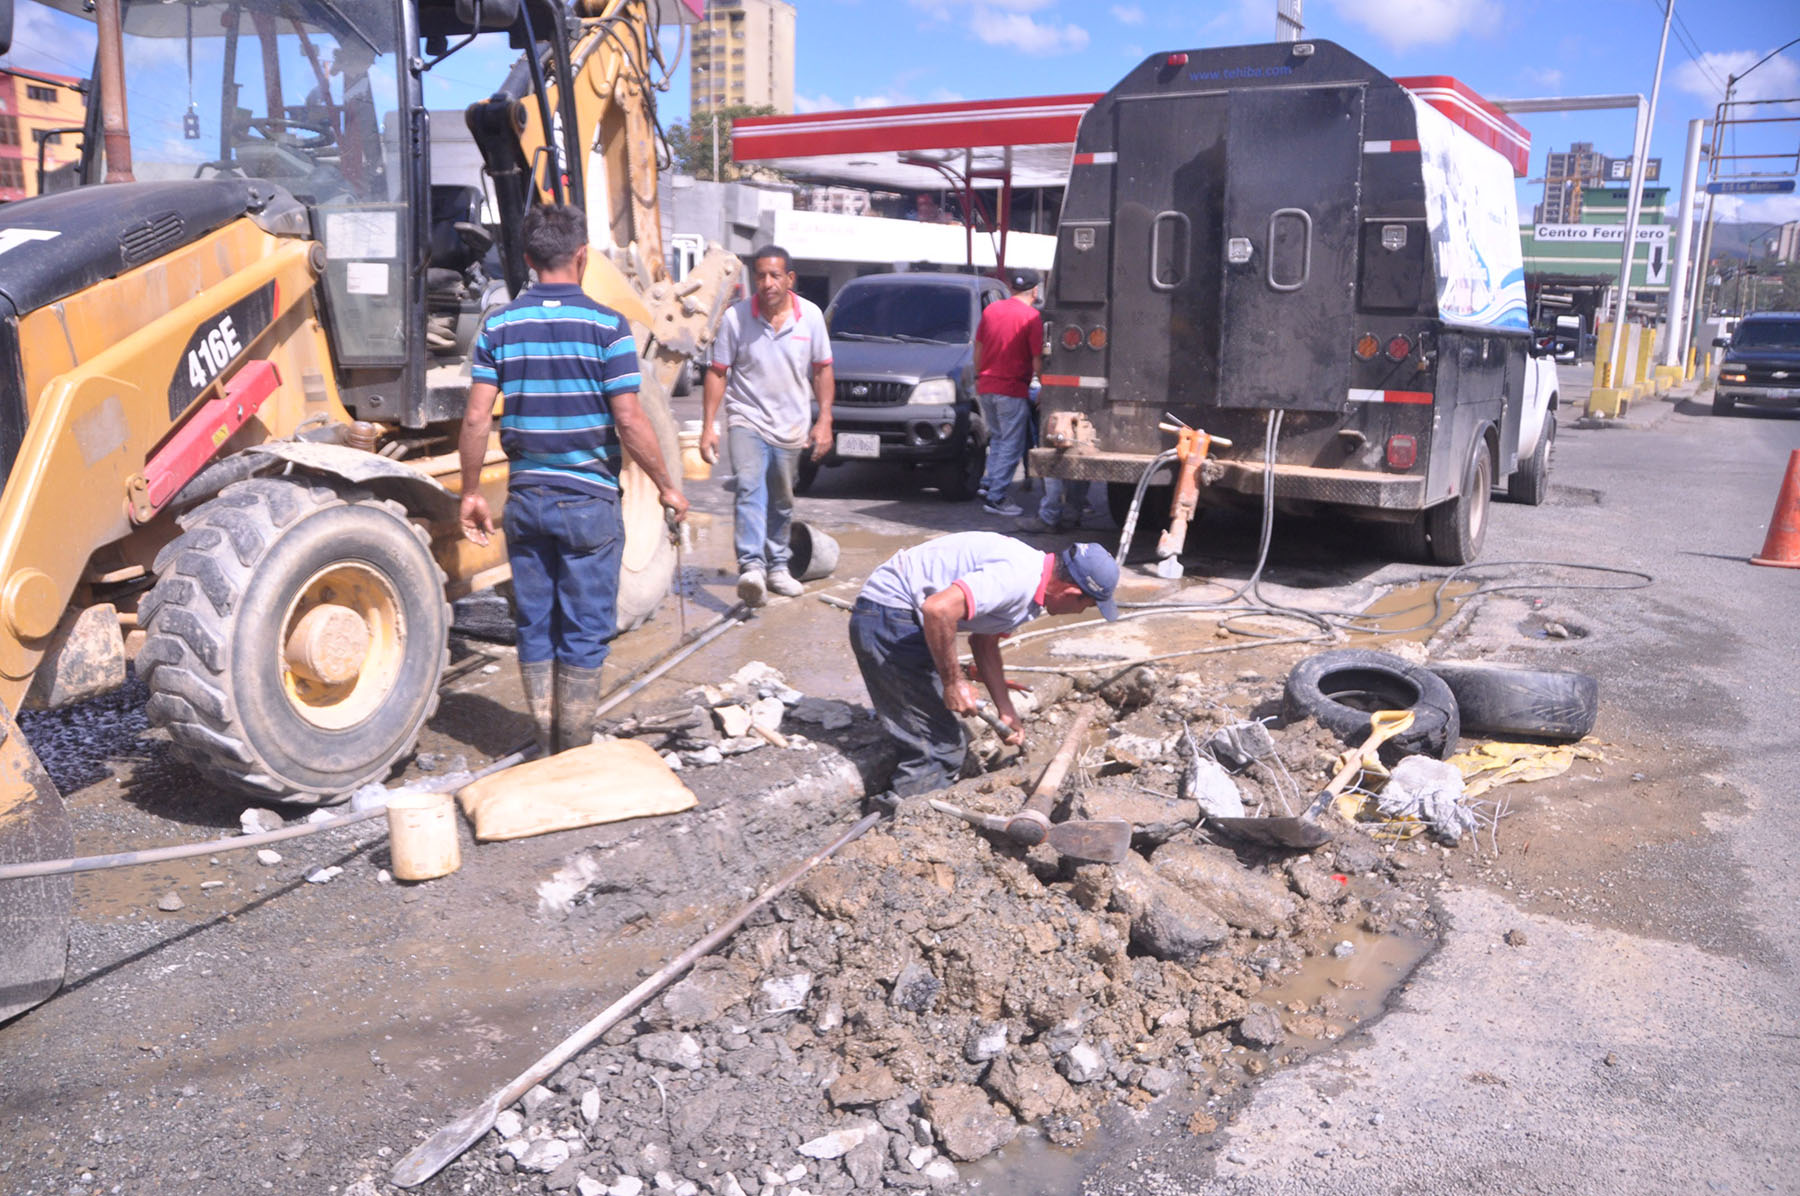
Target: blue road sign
[1751, 187]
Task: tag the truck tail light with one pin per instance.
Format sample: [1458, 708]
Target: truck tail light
[1176, 60]
[1096, 338]
[1398, 347]
[1071, 337]
[1402, 451]
[1367, 346]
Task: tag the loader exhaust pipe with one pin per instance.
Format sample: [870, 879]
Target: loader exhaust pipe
[117, 129]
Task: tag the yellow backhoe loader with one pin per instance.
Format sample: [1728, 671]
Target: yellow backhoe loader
[234, 360]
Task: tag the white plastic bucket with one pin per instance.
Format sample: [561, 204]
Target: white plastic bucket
[422, 839]
[693, 466]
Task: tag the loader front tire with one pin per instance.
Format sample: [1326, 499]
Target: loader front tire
[297, 634]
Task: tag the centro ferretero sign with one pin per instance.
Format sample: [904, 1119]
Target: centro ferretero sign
[1600, 234]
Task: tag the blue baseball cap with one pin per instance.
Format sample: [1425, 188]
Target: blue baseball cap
[1095, 573]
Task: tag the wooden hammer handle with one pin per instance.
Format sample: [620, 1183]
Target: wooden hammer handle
[1032, 823]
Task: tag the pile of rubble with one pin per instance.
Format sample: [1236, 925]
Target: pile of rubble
[931, 993]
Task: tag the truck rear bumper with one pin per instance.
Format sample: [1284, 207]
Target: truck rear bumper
[1299, 483]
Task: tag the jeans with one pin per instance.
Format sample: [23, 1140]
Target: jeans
[765, 500]
[908, 696]
[1009, 424]
[1065, 502]
[565, 548]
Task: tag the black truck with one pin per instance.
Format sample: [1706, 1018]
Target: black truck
[1289, 249]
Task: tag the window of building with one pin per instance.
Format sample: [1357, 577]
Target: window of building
[9, 130]
[43, 95]
[12, 174]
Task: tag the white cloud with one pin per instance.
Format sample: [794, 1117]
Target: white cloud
[1403, 24]
[1760, 209]
[1127, 14]
[1244, 22]
[818, 103]
[1546, 79]
[1776, 79]
[1025, 34]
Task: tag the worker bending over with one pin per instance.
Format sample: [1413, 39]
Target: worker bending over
[903, 631]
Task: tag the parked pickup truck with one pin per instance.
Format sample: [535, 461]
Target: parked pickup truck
[902, 348]
[1762, 363]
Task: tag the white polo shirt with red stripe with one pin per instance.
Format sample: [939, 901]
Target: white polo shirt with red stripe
[1002, 579]
[769, 387]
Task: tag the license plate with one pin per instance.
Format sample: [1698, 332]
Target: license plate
[858, 444]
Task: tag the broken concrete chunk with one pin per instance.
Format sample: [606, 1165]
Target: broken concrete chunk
[870, 1084]
[590, 1106]
[1166, 920]
[1033, 1090]
[1237, 745]
[1246, 899]
[767, 713]
[785, 994]
[267, 858]
[670, 1050]
[626, 1185]
[985, 1041]
[256, 820]
[703, 996]
[1158, 1080]
[535, 1098]
[967, 1124]
[866, 1162]
[508, 1123]
[1082, 1064]
[839, 1143]
[915, 989]
[941, 1173]
[1261, 1027]
[1205, 782]
[1152, 817]
[169, 902]
[324, 875]
[544, 1155]
[734, 720]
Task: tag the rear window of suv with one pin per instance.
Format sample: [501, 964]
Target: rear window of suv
[923, 314]
[1767, 334]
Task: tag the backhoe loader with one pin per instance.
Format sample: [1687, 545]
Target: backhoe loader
[234, 360]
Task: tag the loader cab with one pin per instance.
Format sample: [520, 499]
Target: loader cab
[324, 99]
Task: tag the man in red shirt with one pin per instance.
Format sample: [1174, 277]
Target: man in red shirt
[1009, 347]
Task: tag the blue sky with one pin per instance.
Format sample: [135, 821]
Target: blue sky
[988, 49]
[871, 53]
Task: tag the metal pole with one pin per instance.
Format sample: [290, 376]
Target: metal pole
[715, 138]
[1674, 337]
[117, 136]
[1640, 151]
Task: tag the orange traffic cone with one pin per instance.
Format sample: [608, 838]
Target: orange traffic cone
[1783, 544]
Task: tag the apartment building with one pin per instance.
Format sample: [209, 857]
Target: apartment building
[33, 111]
[743, 54]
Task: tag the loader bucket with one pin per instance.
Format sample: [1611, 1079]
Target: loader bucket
[34, 912]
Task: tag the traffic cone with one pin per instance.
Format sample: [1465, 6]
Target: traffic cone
[1783, 544]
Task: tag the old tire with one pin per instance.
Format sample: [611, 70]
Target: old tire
[1341, 689]
[1530, 483]
[647, 565]
[1498, 700]
[296, 638]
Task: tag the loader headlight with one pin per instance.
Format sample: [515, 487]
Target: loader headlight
[933, 392]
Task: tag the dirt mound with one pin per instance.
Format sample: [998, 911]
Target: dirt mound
[920, 999]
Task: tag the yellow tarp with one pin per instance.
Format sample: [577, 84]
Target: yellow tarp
[1494, 764]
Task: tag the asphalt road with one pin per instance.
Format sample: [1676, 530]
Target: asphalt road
[1598, 1058]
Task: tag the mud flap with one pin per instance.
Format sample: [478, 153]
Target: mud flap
[34, 913]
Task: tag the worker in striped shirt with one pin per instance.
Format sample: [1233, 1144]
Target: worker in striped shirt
[568, 368]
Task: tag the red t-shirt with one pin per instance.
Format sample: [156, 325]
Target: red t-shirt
[1010, 335]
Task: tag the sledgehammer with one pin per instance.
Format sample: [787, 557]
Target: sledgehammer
[1103, 841]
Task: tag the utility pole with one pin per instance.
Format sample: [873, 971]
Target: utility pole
[1639, 153]
[714, 117]
[1288, 26]
[1675, 336]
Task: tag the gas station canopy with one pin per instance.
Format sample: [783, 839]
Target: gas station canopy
[911, 148]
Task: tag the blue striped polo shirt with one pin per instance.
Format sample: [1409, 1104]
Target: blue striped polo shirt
[558, 359]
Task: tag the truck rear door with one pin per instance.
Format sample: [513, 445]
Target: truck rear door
[1293, 170]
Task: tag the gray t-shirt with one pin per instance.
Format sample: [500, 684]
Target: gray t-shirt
[769, 387]
[1002, 579]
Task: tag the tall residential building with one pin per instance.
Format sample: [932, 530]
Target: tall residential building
[743, 54]
[37, 110]
[1567, 175]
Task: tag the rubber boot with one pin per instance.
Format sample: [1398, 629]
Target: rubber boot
[539, 680]
[577, 696]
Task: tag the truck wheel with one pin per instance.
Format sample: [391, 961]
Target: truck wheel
[1531, 483]
[1722, 405]
[647, 566]
[296, 638]
[1455, 530]
[961, 478]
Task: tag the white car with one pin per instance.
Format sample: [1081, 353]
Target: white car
[1530, 483]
